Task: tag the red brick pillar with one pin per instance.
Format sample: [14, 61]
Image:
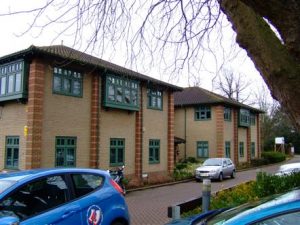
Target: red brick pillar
[258, 136]
[139, 139]
[220, 130]
[171, 132]
[235, 137]
[35, 114]
[94, 139]
[249, 144]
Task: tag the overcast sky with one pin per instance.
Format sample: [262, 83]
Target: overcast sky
[12, 40]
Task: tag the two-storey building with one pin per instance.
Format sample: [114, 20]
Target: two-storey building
[60, 107]
[215, 126]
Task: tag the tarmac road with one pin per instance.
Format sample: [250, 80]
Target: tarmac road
[149, 207]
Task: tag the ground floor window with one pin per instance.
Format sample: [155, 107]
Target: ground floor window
[154, 149]
[202, 149]
[12, 152]
[65, 151]
[117, 149]
[241, 149]
[252, 150]
[227, 149]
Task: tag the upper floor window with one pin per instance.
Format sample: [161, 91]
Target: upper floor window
[244, 118]
[13, 77]
[227, 114]
[121, 93]
[154, 99]
[252, 119]
[202, 113]
[67, 82]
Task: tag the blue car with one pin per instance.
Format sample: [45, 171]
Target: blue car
[61, 196]
[277, 210]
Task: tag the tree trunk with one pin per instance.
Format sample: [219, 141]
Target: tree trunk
[277, 60]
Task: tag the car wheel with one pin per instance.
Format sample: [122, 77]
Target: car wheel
[198, 180]
[233, 174]
[118, 223]
[220, 176]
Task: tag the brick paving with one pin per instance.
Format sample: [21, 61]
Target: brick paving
[149, 207]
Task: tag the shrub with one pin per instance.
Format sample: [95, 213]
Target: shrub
[273, 157]
[258, 162]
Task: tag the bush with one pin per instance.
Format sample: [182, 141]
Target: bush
[184, 170]
[273, 157]
[258, 162]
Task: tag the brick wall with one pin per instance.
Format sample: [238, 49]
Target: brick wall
[138, 139]
[248, 147]
[235, 137]
[94, 122]
[170, 132]
[35, 115]
[258, 136]
[220, 130]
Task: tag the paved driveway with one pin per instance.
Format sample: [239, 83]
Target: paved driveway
[149, 207]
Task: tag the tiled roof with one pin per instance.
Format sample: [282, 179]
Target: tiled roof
[67, 53]
[195, 95]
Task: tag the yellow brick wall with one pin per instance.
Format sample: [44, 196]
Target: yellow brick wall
[12, 121]
[66, 116]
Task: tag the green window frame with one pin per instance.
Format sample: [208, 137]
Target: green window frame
[65, 151]
[155, 99]
[252, 150]
[12, 152]
[203, 113]
[244, 118]
[67, 82]
[154, 151]
[117, 152]
[227, 149]
[227, 114]
[121, 93]
[13, 80]
[241, 149]
[252, 119]
[202, 149]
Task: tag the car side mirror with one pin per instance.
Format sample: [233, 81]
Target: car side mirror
[9, 220]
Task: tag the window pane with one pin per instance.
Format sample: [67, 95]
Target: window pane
[60, 157]
[119, 94]
[10, 83]
[86, 183]
[3, 85]
[18, 82]
[120, 156]
[67, 85]
[76, 87]
[111, 93]
[57, 83]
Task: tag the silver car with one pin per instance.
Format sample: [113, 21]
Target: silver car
[288, 169]
[215, 168]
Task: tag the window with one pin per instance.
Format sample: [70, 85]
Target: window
[67, 82]
[154, 99]
[65, 151]
[86, 183]
[244, 118]
[13, 78]
[227, 149]
[35, 197]
[241, 149]
[202, 149]
[252, 150]
[121, 93]
[117, 149]
[12, 152]
[252, 119]
[154, 149]
[227, 114]
[281, 219]
[202, 113]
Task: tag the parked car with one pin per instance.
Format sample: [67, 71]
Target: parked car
[288, 169]
[275, 210]
[215, 168]
[61, 196]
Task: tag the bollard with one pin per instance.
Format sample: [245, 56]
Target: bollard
[175, 212]
[206, 194]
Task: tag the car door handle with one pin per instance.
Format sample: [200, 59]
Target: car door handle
[70, 211]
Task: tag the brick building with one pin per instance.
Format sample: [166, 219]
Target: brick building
[215, 126]
[62, 107]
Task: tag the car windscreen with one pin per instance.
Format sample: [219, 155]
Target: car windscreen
[4, 184]
[212, 162]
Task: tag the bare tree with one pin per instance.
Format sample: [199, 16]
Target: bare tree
[182, 31]
[233, 86]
